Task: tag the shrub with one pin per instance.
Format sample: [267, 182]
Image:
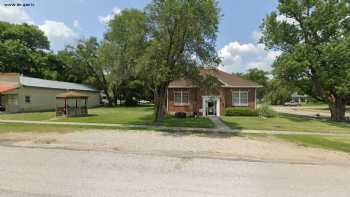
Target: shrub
[240, 111]
[266, 111]
[180, 114]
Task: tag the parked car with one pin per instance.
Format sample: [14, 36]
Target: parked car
[292, 104]
[2, 108]
[143, 102]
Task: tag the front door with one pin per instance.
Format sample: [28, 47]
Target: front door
[211, 105]
[211, 109]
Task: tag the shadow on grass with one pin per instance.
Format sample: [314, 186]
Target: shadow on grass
[87, 115]
[297, 118]
[233, 125]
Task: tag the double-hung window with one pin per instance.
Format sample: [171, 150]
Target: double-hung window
[27, 99]
[240, 98]
[181, 97]
[12, 99]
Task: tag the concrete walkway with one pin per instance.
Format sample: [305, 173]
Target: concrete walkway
[221, 128]
[219, 124]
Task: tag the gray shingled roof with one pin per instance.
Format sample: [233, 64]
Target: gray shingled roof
[42, 83]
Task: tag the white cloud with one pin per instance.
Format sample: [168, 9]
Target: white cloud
[256, 35]
[237, 57]
[106, 19]
[14, 15]
[58, 33]
[283, 18]
[76, 24]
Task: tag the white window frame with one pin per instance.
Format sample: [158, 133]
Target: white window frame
[240, 103]
[29, 100]
[12, 99]
[182, 97]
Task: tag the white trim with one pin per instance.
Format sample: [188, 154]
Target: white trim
[204, 106]
[218, 106]
[240, 104]
[242, 86]
[189, 87]
[167, 100]
[181, 93]
[254, 99]
[223, 86]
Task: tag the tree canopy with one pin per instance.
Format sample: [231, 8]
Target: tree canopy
[24, 49]
[314, 36]
[260, 77]
[126, 40]
[182, 35]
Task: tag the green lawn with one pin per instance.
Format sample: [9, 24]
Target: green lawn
[286, 123]
[43, 116]
[138, 116]
[5, 128]
[117, 115]
[332, 143]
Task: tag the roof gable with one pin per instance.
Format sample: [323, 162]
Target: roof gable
[228, 80]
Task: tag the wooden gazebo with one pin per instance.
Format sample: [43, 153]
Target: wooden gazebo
[71, 104]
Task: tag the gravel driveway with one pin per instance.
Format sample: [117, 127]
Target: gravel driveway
[124, 163]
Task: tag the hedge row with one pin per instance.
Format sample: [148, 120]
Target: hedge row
[240, 111]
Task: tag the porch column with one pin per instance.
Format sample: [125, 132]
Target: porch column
[204, 107]
[218, 106]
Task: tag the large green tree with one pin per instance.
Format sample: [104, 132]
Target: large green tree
[24, 49]
[260, 77]
[278, 93]
[85, 63]
[314, 36]
[182, 35]
[125, 43]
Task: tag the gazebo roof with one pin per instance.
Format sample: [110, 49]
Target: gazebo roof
[72, 94]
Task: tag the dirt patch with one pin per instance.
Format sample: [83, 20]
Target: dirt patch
[45, 141]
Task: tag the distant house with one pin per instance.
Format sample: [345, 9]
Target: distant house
[23, 94]
[299, 98]
[184, 96]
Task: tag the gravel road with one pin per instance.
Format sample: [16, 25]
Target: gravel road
[131, 164]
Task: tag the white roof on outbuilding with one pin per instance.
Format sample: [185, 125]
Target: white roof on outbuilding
[43, 83]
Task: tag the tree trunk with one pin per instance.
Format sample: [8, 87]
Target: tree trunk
[109, 98]
[160, 100]
[114, 95]
[338, 109]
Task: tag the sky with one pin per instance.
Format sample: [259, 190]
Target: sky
[66, 21]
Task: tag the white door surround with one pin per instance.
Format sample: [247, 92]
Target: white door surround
[208, 110]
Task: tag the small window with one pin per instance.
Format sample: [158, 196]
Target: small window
[181, 97]
[27, 99]
[240, 98]
[12, 100]
[236, 98]
[177, 97]
[185, 97]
